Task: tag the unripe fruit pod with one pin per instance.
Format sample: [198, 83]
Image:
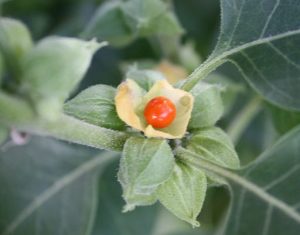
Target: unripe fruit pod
[53, 69]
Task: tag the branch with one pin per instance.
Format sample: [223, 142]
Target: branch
[19, 114]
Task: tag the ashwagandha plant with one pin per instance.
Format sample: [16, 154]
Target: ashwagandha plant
[164, 127]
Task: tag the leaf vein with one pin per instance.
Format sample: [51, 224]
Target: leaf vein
[282, 178]
[269, 19]
[54, 189]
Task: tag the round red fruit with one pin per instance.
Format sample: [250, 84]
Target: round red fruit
[160, 112]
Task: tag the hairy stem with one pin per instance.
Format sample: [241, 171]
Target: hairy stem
[17, 113]
[243, 119]
[201, 72]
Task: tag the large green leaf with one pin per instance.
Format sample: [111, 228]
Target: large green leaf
[284, 120]
[265, 195]
[261, 38]
[48, 187]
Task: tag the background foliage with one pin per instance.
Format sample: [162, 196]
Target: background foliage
[53, 187]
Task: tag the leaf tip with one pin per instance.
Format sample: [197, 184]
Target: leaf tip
[94, 45]
[128, 207]
[194, 223]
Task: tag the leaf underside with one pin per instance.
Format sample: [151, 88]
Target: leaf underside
[50, 188]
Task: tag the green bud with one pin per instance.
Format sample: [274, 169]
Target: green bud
[214, 145]
[145, 164]
[108, 24]
[15, 43]
[96, 105]
[53, 69]
[208, 107]
[229, 89]
[184, 193]
[144, 78]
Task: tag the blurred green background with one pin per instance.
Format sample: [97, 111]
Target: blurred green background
[46, 161]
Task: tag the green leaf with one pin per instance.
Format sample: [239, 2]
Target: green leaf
[165, 24]
[145, 164]
[153, 220]
[184, 193]
[96, 105]
[109, 24]
[15, 39]
[144, 78]
[139, 13]
[214, 145]
[208, 106]
[229, 90]
[265, 51]
[15, 43]
[53, 69]
[265, 195]
[110, 220]
[148, 17]
[284, 120]
[52, 188]
[122, 22]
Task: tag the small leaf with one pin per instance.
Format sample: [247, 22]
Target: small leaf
[53, 69]
[95, 105]
[145, 164]
[139, 13]
[148, 17]
[144, 78]
[214, 145]
[208, 106]
[165, 24]
[109, 24]
[184, 193]
[15, 42]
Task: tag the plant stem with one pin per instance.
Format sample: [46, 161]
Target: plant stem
[19, 114]
[76, 131]
[201, 72]
[243, 119]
